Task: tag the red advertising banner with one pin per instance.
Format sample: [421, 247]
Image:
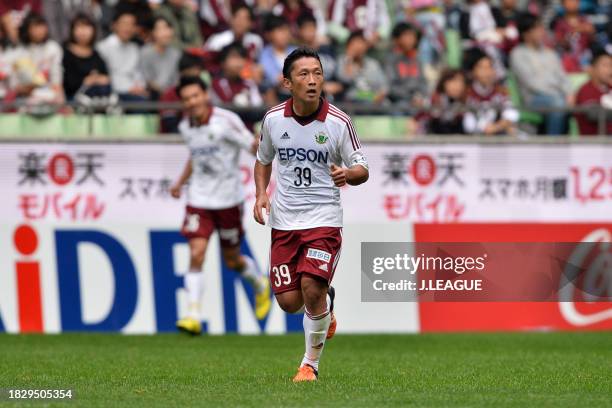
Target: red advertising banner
[491, 316]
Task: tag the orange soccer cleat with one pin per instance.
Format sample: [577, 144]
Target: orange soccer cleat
[306, 373]
[332, 327]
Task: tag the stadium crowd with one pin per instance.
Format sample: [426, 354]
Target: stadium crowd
[452, 67]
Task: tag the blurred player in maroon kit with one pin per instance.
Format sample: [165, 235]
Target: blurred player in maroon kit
[310, 139]
[596, 92]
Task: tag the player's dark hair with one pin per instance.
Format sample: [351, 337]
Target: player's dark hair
[526, 22]
[188, 81]
[306, 18]
[358, 34]
[234, 47]
[302, 52]
[473, 57]
[273, 22]
[31, 19]
[189, 61]
[401, 28]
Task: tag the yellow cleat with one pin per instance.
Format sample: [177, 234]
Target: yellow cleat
[262, 300]
[306, 373]
[189, 325]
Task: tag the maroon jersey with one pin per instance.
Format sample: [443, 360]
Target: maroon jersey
[486, 106]
[238, 92]
[590, 94]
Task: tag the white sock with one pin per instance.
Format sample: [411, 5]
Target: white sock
[194, 284]
[315, 331]
[252, 275]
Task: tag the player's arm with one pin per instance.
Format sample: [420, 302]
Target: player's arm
[241, 135]
[356, 171]
[263, 172]
[353, 175]
[175, 190]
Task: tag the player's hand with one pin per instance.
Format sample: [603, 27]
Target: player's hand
[338, 174]
[175, 191]
[261, 202]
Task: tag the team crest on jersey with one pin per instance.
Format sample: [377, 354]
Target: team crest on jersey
[321, 138]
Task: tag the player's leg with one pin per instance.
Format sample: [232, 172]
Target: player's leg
[245, 266]
[319, 258]
[229, 223]
[197, 228]
[316, 323]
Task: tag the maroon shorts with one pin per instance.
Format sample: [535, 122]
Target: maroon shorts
[314, 251]
[200, 223]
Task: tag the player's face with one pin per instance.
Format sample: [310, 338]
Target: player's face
[195, 101]
[306, 81]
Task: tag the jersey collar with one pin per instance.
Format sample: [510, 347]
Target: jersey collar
[195, 123]
[323, 109]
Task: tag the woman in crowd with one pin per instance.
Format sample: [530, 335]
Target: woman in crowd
[84, 69]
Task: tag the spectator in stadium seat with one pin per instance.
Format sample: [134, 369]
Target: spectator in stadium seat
[240, 31]
[215, 16]
[407, 83]
[596, 92]
[229, 87]
[144, 18]
[482, 26]
[60, 13]
[369, 16]
[189, 66]
[84, 69]
[37, 63]
[12, 13]
[574, 34]
[122, 58]
[539, 73]
[160, 58]
[489, 108]
[6, 63]
[445, 113]
[308, 37]
[272, 57]
[363, 78]
[184, 21]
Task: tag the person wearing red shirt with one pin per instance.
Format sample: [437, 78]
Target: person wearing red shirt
[596, 92]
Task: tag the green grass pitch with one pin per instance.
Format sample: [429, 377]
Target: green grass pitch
[471, 370]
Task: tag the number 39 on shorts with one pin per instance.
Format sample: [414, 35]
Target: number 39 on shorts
[281, 275]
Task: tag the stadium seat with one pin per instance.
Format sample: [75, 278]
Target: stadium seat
[454, 51]
[10, 125]
[529, 117]
[381, 127]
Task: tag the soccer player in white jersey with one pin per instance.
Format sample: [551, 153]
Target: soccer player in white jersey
[310, 140]
[215, 138]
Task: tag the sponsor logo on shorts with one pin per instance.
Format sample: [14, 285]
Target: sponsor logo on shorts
[230, 234]
[318, 254]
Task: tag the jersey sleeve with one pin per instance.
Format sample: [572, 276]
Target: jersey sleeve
[237, 133]
[350, 147]
[265, 152]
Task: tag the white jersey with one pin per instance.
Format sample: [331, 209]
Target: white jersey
[215, 152]
[305, 195]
